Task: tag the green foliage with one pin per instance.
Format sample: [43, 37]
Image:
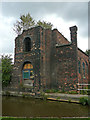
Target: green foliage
[73, 92]
[6, 69]
[52, 91]
[44, 24]
[26, 22]
[16, 118]
[69, 100]
[58, 98]
[63, 91]
[88, 52]
[23, 95]
[42, 94]
[83, 100]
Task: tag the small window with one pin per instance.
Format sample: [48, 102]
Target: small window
[27, 44]
[87, 67]
[83, 69]
[79, 66]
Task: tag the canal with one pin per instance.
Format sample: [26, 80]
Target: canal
[30, 107]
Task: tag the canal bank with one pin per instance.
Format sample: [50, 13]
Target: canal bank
[31, 107]
[61, 97]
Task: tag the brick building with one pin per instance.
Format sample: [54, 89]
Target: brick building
[45, 59]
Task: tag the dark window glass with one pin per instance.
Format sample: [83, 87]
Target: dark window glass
[87, 66]
[83, 68]
[79, 66]
[27, 44]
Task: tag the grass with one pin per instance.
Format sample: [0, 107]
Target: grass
[62, 91]
[12, 118]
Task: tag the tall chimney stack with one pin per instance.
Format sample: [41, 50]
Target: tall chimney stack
[73, 32]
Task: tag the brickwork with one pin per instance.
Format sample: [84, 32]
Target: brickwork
[54, 59]
[82, 77]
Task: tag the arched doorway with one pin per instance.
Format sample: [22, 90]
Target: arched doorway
[28, 75]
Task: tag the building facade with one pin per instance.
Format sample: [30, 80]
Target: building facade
[44, 58]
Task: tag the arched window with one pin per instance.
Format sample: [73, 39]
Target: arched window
[28, 71]
[27, 44]
[79, 66]
[83, 69]
[87, 67]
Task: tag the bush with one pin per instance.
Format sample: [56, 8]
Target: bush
[72, 92]
[58, 97]
[83, 100]
[7, 67]
[52, 91]
[23, 95]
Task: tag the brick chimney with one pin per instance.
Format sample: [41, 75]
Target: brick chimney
[73, 32]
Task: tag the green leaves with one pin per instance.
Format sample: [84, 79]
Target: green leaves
[26, 22]
[88, 52]
[44, 24]
[6, 69]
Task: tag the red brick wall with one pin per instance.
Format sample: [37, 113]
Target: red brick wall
[82, 57]
[60, 39]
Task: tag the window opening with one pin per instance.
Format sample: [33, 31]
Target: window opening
[27, 44]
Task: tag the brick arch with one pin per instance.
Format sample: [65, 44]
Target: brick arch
[27, 73]
[27, 61]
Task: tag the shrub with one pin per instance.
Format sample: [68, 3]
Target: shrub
[72, 92]
[52, 91]
[69, 100]
[58, 97]
[6, 62]
[83, 100]
[23, 95]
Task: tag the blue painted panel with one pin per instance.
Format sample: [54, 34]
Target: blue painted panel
[26, 74]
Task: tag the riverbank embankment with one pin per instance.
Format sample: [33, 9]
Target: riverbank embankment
[72, 98]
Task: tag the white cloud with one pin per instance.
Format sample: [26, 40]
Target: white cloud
[7, 35]
[63, 28]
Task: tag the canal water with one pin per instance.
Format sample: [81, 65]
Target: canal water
[30, 107]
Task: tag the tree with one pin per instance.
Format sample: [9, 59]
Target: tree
[44, 24]
[88, 52]
[7, 66]
[26, 22]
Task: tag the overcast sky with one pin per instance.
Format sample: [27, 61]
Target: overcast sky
[61, 14]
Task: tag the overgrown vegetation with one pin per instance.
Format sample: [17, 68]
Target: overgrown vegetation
[7, 67]
[58, 98]
[52, 91]
[88, 52]
[84, 101]
[60, 91]
[42, 95]
[26, 22]
[71, 92]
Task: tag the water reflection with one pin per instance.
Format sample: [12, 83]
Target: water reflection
[30, 107]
